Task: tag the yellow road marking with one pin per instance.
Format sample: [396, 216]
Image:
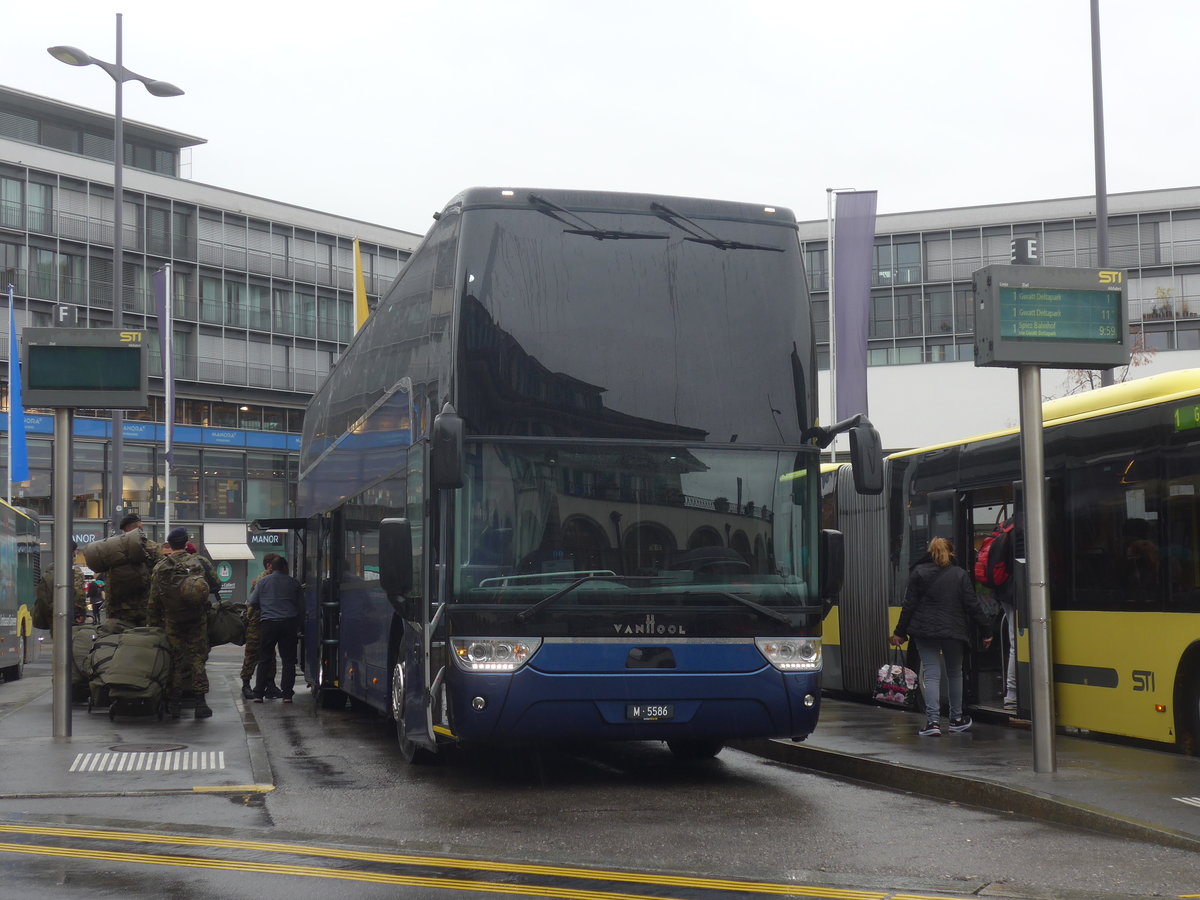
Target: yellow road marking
[400, 859]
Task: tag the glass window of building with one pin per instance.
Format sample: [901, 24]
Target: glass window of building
[274, 419]
[235, 302]
[210, 299]
[185, 485]
[35, 494]
[224, 485]
[266, 485]
[40, 207]
[141, 479]
[224, 415]
[908, 262]
[10, 202]
[88, 476]
[259, 307]
[882, 324]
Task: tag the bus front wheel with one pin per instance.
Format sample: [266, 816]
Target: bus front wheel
[411, 752]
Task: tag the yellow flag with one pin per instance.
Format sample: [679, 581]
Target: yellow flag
[360, 290]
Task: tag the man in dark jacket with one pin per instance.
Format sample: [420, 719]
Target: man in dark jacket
[277, 598]
[939, 599]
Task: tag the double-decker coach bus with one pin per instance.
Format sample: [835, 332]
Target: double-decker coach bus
[564, 482]
[19, 572]
[1122, 470]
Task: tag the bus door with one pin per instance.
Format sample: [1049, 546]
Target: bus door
[988, 675]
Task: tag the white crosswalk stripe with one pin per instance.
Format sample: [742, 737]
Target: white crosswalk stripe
[173, 761]
[1193, 801]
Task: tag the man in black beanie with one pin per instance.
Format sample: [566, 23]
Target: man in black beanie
[179, 589]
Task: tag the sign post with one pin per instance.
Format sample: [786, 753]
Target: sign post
[64, 368]
[1030, 317]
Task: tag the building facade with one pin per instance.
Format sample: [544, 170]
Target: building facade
[262, 305]
[923, 387]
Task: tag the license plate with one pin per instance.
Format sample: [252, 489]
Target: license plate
[649, 712]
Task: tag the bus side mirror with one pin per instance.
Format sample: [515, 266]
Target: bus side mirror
[395, 558]
[831, 558]
[446, 450]
[866, 456]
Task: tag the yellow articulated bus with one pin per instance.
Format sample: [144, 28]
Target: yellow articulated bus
[1123, 531]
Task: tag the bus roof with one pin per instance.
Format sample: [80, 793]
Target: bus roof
[1140, 392]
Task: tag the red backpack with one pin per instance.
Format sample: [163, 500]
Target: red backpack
[994, 564]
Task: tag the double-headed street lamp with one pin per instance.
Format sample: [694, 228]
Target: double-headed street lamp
[73, 56]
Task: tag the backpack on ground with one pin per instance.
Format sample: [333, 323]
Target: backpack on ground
[83, 637]
[226, 623]
[129, 671]
[994, 564]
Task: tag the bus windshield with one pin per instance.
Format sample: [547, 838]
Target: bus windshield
[626, 520]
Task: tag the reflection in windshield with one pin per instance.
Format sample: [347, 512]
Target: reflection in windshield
[537, 518]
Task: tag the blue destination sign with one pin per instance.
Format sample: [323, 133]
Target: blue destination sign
[1060, 314]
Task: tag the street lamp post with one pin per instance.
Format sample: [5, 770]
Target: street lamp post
[73, 56]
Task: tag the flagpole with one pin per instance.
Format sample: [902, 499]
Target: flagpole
[11, 343]
[168, 395]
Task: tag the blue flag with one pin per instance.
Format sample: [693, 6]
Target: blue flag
[18, 452]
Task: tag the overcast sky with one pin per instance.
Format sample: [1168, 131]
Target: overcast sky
[382, 112]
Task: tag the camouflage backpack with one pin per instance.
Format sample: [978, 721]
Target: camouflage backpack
[185, 589]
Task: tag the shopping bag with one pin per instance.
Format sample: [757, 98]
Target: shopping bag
[896, 684]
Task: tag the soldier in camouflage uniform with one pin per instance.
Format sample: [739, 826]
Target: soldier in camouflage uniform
[43, 609]
[186, 623]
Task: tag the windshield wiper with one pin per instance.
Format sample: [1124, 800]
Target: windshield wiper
[764, 611]
[526, 614]
[701, 235]
[583, 227]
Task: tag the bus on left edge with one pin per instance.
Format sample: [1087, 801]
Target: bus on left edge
[19, 572]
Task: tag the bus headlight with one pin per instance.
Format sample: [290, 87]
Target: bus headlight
[792, 654]
[493, 654]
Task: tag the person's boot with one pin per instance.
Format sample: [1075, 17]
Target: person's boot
[247, 691]
[203, 710]
[174, 707]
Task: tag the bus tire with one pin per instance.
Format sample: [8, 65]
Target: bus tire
[698, 748]
[413, 754]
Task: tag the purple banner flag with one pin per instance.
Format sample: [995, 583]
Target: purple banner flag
[853, 251]
[160, 283]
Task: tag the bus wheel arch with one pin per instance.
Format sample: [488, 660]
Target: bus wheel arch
[1187, 702]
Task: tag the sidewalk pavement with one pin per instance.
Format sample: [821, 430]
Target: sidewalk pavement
[130, 756]
[1145, 794]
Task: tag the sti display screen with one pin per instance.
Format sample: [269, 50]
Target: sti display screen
[101, 368]
[1057, 314]
[1050, 316]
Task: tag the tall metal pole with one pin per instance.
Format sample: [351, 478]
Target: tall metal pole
[117, 473]
[64, 576]
[1106, 375]
[1033, 471]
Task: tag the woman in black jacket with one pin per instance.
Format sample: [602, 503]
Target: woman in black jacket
[939, 598]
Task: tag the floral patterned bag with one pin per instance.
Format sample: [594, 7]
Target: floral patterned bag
[896, 684]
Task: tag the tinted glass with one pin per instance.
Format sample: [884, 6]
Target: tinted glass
[632, 325]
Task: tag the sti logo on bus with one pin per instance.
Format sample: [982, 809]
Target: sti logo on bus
[650, 627]
[1112, 277]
